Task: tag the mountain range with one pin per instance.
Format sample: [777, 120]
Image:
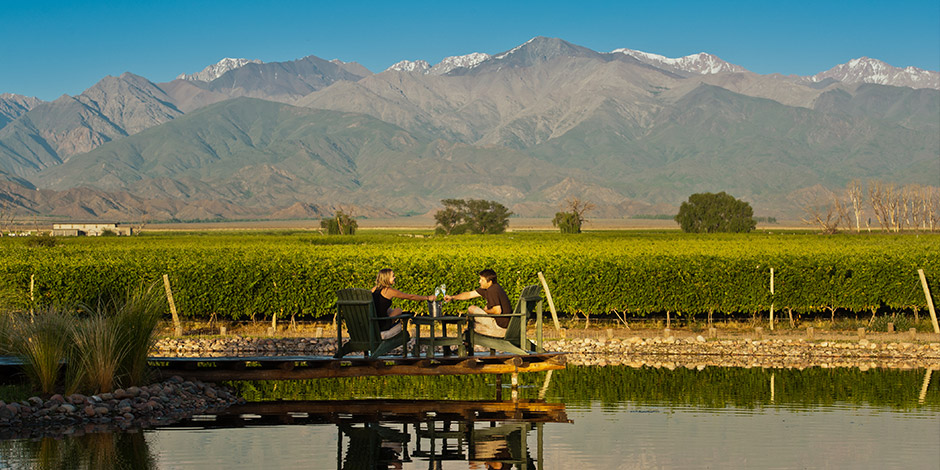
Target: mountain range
[630, 131]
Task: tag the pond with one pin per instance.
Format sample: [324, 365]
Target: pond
[580, 418]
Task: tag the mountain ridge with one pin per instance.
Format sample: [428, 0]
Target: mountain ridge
[529, 126]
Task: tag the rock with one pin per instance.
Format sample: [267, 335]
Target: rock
[66, 408]
[89, 411]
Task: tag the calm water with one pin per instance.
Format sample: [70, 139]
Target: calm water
[581, 418]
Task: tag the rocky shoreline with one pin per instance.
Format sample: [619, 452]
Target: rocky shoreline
[123, 409]
[635, 351]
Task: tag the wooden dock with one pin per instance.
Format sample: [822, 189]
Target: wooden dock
[216, 369]
[389, 411]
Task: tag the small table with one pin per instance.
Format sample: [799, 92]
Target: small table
[434, 339]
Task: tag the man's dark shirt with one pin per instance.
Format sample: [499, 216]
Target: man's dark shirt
[495, 295]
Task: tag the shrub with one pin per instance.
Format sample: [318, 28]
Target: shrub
[341, 224]
[473, 216]
[707, 213]
[41, 241]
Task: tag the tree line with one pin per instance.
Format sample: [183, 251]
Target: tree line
[876, 205]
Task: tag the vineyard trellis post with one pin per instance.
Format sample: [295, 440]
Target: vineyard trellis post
[933, 312]
[169, 298]
[771, 299]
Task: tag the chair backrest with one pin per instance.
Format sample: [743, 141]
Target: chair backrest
[527, 304]
[356, 308]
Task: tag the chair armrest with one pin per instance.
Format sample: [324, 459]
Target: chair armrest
[494, 315]
[404, 316]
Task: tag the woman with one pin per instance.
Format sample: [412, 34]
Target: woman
[382, 295]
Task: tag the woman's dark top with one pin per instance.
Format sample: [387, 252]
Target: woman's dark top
[381, 308]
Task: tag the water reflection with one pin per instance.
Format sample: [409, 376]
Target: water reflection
[117, 450]
[388, 433]
[619, 418]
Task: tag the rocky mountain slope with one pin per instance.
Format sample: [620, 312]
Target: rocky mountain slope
[633, 132]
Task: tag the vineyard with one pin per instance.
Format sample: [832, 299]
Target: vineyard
[239, 276]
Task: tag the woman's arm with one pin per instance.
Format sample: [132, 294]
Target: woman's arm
[397, 294]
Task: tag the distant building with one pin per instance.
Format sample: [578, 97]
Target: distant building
[90, 230]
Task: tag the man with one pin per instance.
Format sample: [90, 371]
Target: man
[497, 302]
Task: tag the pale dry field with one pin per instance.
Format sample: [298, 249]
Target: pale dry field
[517, 224]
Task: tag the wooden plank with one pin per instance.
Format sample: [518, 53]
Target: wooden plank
[328, 368]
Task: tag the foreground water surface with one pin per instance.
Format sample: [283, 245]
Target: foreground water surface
[580, 418]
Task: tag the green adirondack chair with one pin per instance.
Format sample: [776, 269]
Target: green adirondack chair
[355, 307]
[515, 342]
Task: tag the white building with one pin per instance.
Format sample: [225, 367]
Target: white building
[91, 230]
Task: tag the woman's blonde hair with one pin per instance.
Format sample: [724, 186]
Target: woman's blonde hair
[384, 278]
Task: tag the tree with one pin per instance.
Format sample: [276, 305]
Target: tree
[570, 221]
[708, 212]
[341, 224]
[828, 217]
[471, 215]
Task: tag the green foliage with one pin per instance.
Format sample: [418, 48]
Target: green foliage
[41, 241]
[567, 222]
[640, 273]
[341, 224]
[714, 387]
[709, 213]
[471, 216]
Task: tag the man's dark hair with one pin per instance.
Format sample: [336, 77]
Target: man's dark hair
[488, 274]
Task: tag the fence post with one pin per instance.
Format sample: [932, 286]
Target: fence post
[771, 297]
[169, 298]
[551, 303]
[933, 313]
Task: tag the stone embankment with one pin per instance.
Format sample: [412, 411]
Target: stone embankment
[693, 351]
[133, 407]
[697, 352]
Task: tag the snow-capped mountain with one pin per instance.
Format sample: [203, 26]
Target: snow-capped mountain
[217, 70]
[701, 63]
[868, 70]
[420, 66]
[442, 68]
[466, 61]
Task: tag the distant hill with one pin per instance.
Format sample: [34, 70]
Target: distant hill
[632, 132]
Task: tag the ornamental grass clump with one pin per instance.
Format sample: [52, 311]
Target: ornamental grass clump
[136, 317]
[101, 347]
[6, 325]
[96, 354]
[42, 342]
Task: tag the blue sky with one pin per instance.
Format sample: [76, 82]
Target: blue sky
[50, 48]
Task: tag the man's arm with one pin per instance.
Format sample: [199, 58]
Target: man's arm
[472, 294]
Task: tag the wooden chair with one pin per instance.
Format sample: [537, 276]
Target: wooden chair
[355, 307]
[515, 342]
[505, 444]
